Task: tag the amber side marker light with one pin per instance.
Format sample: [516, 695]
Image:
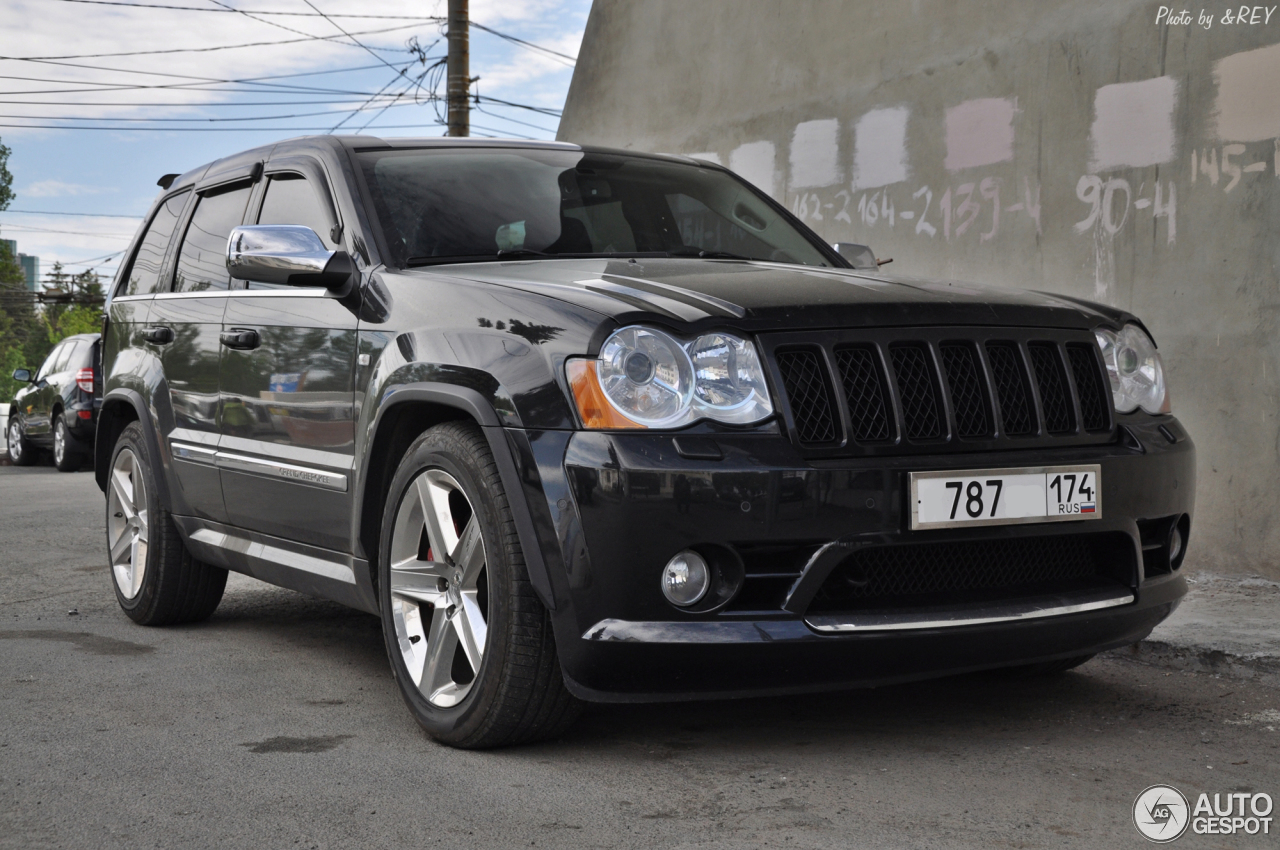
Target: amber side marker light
[588, 395]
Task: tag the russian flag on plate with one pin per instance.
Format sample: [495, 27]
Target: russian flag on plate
[1086, 507]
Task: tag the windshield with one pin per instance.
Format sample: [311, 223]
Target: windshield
[467, 205]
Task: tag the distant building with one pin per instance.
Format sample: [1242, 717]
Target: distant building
[30, 265]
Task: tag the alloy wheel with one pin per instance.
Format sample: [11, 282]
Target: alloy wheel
[127, 523]
[59, 443]
[15, 441]
[439, 588]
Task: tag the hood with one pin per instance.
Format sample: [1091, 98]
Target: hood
[760, 296]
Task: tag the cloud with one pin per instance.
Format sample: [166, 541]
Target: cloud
[58, 189]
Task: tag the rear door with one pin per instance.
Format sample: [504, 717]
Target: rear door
[288, 429]
[37, 405]
[192, 312]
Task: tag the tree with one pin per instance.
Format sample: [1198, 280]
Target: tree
[6, 179]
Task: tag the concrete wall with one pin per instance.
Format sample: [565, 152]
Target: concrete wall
[1072, 146]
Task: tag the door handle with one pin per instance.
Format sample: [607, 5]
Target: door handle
[159, 335]
[241, 339]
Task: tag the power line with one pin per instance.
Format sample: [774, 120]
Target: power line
[333, 38]
[545, 110]
[512, 120]
[25, 229]
[181, 104]
[90, 215]
[211, 120]
[253, 11]
[352, 37]
[198, 81]
[202, 129]
[529, 44]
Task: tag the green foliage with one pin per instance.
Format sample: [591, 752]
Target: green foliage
[28, 334]
[6, 179]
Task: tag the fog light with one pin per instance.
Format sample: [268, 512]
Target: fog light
[686, 578]
[1175, 545]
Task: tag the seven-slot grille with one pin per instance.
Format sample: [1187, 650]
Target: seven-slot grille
[925, 390]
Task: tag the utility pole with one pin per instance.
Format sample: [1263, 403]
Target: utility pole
[459, 67]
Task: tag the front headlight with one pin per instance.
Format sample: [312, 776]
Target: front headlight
[647, 378]
[1135, 369]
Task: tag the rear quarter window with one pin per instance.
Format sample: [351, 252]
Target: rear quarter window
[143, 276]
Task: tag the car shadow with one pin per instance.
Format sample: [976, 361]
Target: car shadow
[911, 714]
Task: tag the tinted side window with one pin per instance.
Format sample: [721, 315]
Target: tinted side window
[50, 365]
[144, 275]
[80, 357]
[291, 199]
[202, 262]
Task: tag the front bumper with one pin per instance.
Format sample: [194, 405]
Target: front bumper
[609, 518]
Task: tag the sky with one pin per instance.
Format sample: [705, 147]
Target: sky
[92, 128]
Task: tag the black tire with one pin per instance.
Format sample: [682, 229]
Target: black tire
[1045, 668]
[21, 452]
[518, 693]
[67, 455]
[173, 587]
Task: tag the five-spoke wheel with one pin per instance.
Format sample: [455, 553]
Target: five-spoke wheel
[127, 523]
[469, 642]
[439, 599]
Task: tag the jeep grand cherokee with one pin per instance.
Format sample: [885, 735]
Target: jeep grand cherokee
[579, 424]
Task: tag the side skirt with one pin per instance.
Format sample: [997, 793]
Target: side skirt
[318, 572]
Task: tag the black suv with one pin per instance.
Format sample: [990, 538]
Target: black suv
[587, 425]
[58, 410]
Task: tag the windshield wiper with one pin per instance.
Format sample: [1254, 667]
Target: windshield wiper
[523, 252]
[710, 255]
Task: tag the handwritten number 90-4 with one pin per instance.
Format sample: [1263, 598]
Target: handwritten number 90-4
[974, 495]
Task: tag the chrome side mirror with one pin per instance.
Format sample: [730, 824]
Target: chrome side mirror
[859, 256]
[285, 253]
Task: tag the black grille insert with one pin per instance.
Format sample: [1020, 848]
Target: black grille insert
[808, 386]
[938, 573]
[964, 377]
[921, 413]
[1088, 375]
[1052, 381]
[1011, 388]
[864, 390]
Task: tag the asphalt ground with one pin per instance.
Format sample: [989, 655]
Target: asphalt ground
[277, 724]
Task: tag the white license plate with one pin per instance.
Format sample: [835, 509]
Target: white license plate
[1005, 496]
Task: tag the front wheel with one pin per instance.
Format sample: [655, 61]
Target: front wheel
[21, 452]
[66, 454]
[157, 582]
[470, 644]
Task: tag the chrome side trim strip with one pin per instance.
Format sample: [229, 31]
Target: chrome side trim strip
[946, 618]
[699, 631]
[193, 454]
[273, 469]
[199, 293]
[274, 554]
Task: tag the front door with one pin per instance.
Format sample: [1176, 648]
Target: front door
[192, 310]
[288, 393]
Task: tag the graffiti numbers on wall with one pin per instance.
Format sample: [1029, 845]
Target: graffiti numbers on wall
[967, 210]
[1110, 201]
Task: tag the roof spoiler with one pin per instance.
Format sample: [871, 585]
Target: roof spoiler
[166, 181]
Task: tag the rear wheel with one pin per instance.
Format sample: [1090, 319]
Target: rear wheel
[470, 644]
[157, 582]
[21, 452]
[67, 456]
